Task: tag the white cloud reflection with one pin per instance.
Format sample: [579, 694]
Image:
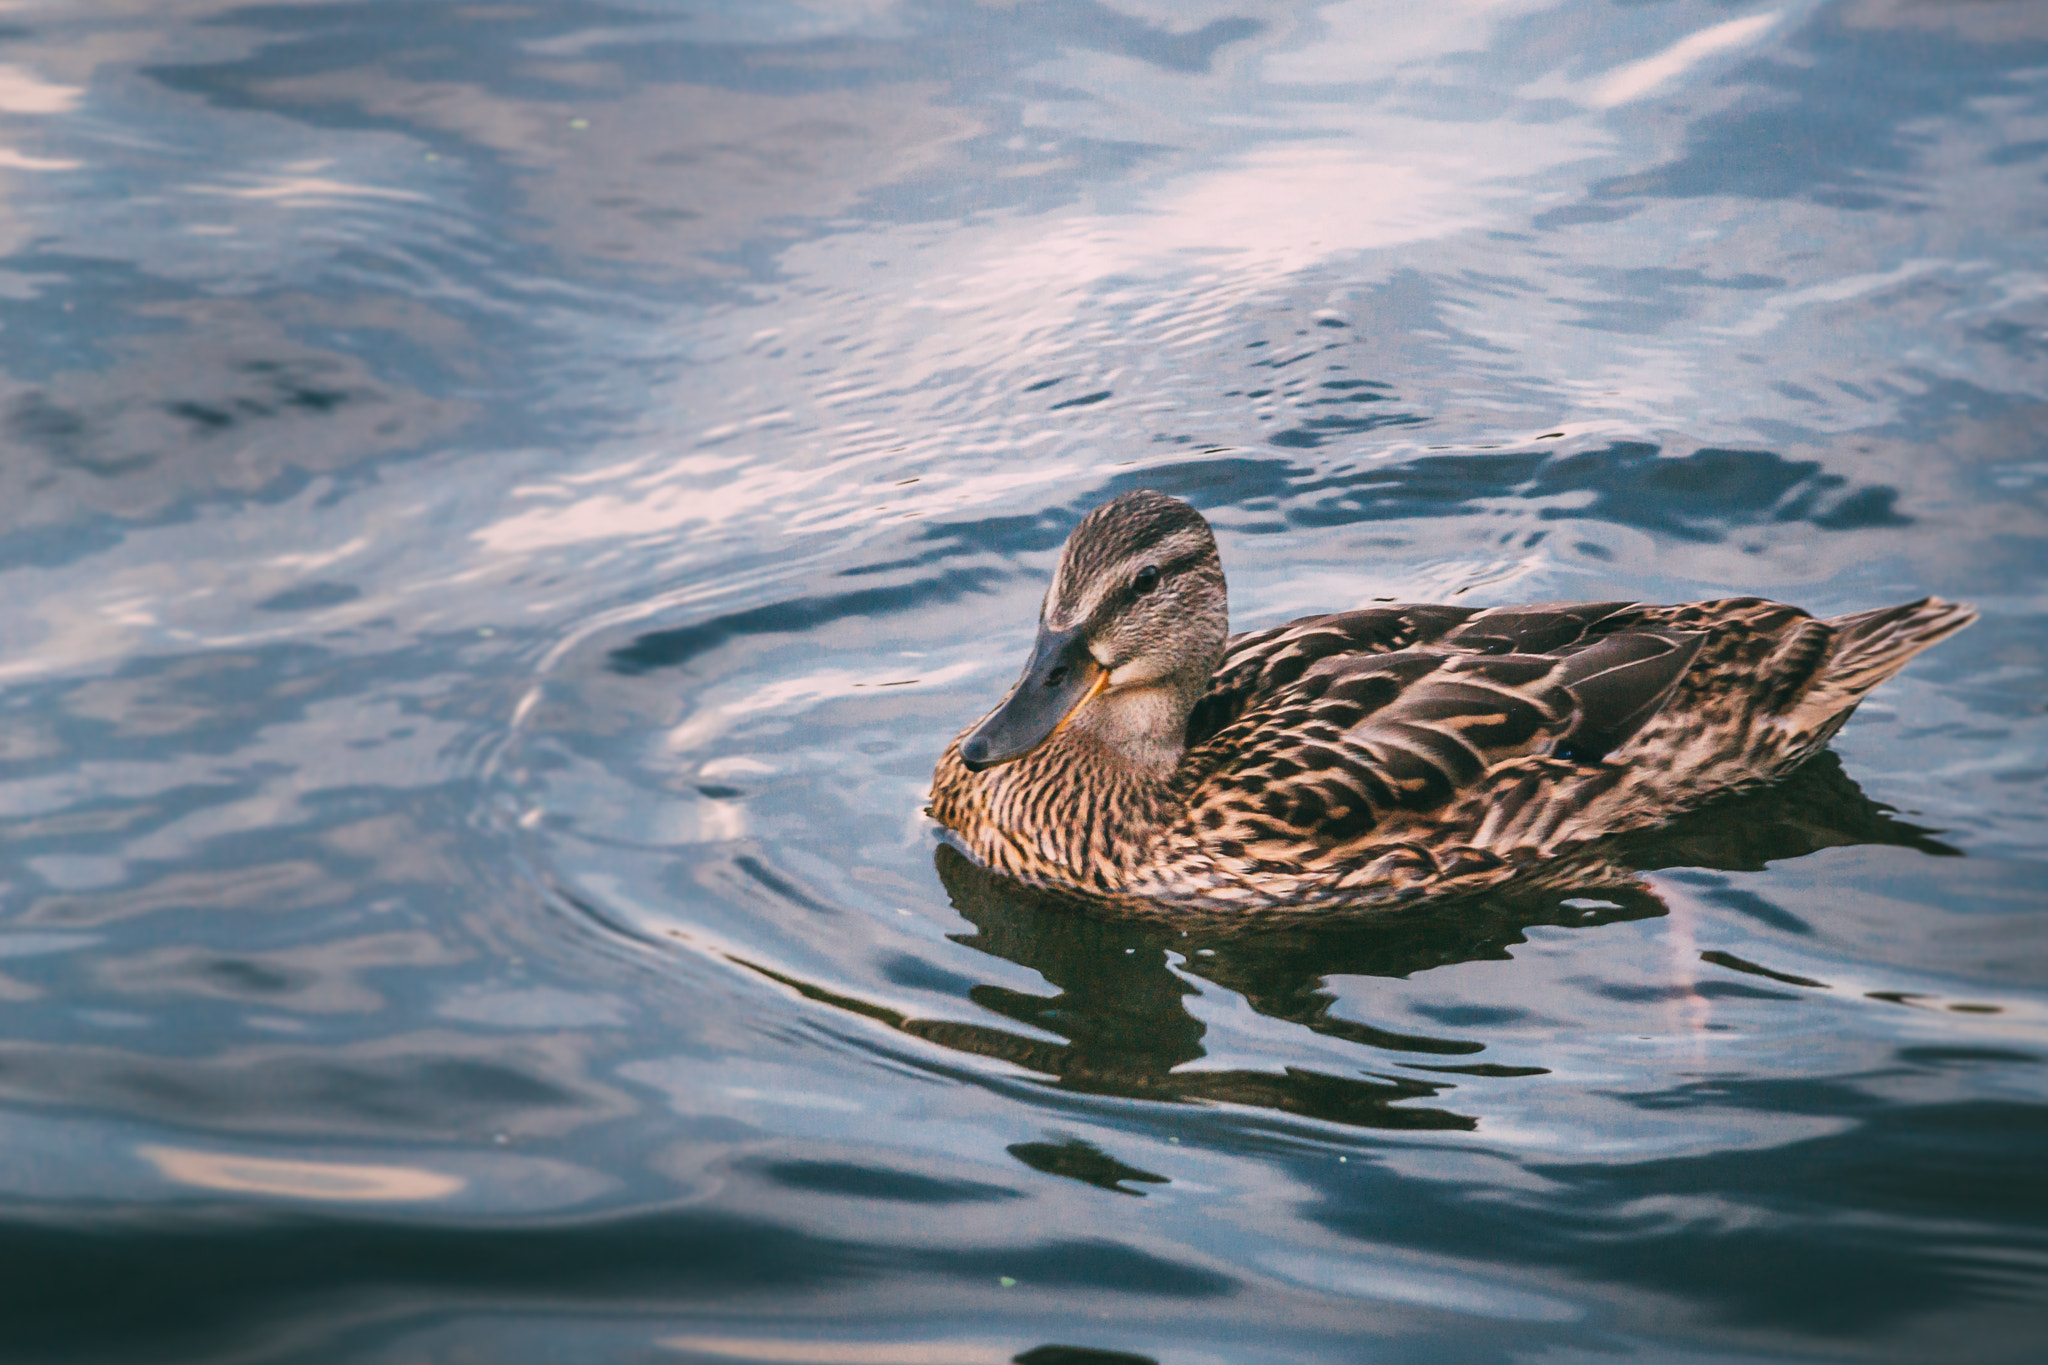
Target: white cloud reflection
[1273, 209]
[301, 185]
[327, 1181]
[1638, 79]
[24, 92]
[12, 160]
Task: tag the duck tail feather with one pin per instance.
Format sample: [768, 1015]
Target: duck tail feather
[1876, 644]
[1872, 646]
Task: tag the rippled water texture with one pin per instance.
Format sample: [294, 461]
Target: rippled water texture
[503, 504]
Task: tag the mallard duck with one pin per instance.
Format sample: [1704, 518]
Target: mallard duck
[1146, 753]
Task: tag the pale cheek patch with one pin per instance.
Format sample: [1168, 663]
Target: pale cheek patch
[1136, 673]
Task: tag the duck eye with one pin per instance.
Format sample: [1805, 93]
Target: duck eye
[1147, 579]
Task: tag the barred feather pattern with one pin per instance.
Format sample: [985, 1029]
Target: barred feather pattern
[1363, 754]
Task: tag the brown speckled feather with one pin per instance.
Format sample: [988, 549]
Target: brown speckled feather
[1351, 756]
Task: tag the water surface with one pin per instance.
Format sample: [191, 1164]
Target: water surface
[504, 504]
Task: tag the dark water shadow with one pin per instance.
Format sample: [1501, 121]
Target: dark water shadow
[1897, 1212]
[1118, 1023]
[1704, 496]
[1122, 978]
[303, 1282]
[1819, 806]
[1121, 1013]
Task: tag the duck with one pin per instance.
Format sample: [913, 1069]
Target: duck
[1146, 754]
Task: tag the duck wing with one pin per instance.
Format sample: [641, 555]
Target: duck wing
[1408, 745]
[1359, 740]
[1542, 628]
[1260, 664]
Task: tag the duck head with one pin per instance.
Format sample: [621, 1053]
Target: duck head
[1131, 630]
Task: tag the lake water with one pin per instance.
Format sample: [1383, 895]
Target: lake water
[503, 503]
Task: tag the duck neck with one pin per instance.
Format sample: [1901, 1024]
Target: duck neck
[1086, 808]
[1140, 732]
[1093, 810]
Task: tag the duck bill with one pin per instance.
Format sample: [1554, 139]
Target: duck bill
[1061, 676]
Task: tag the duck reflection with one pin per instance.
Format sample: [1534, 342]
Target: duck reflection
[1122, 979]
[1118, 1024]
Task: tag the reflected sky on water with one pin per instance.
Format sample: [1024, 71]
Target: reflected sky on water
[504, 503]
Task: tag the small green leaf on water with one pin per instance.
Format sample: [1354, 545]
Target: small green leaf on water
[579, 124]
[1006, 1282]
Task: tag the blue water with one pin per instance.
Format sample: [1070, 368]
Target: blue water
[503, 504]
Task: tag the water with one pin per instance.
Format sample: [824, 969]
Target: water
[504, 503]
